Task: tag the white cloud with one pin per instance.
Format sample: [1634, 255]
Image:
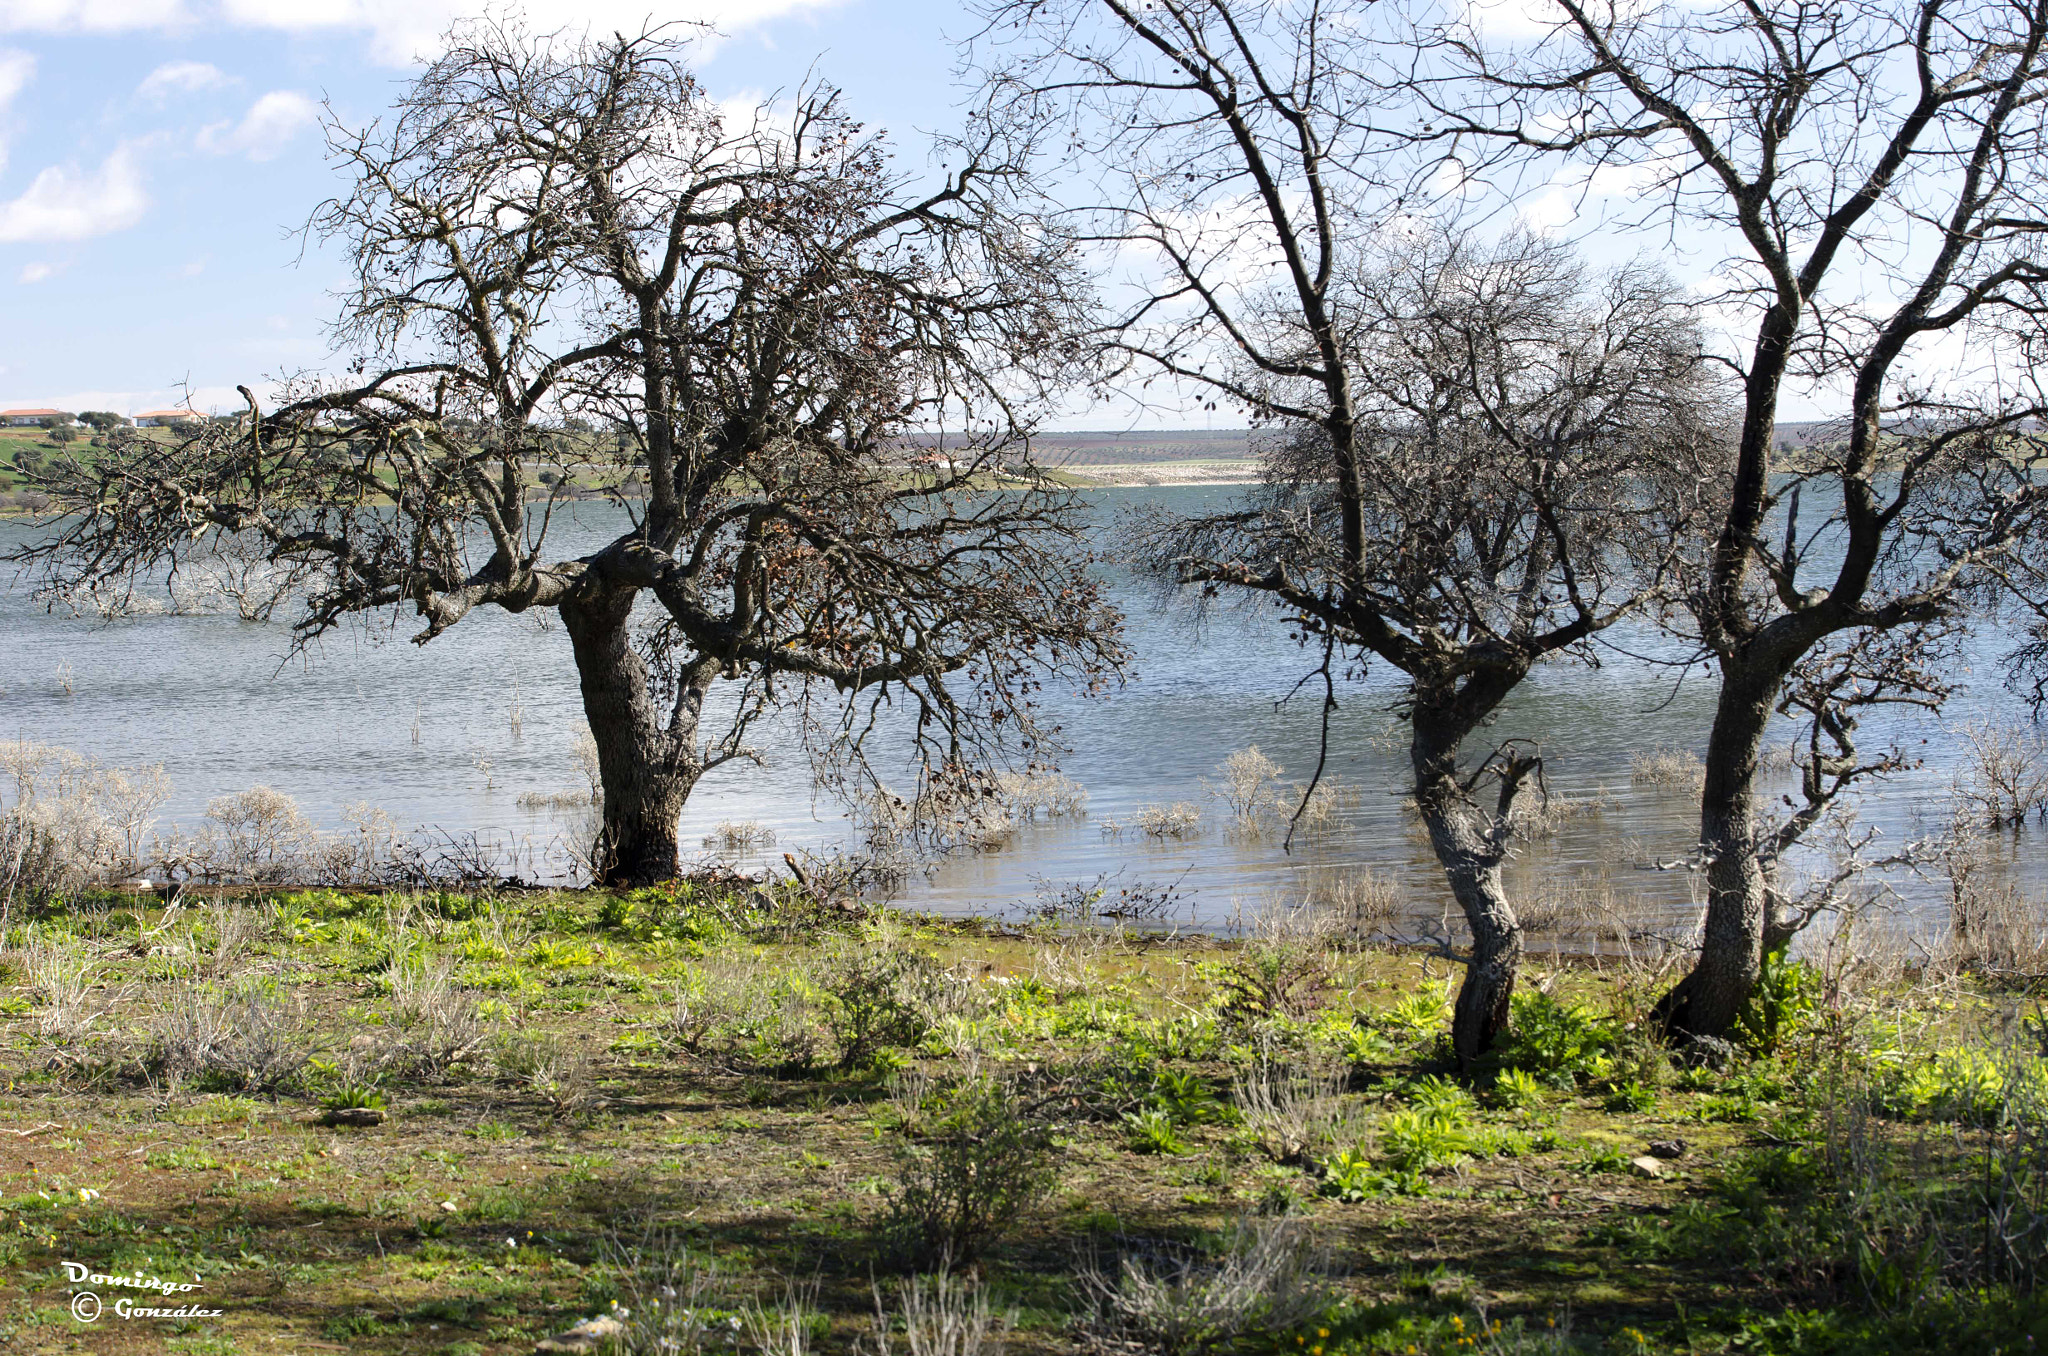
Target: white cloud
[271, 121]
[180, 77]
[34, 273]
[399, 31]
[93, 16]
[16, 70]
[193, 269]
[67, 203]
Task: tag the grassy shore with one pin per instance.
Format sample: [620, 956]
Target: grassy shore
[772, 1113]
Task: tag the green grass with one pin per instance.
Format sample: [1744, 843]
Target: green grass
[756, 1087]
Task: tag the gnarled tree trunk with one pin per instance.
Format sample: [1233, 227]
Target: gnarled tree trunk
[1707, 1001]
[1470, 852]
[646, 766]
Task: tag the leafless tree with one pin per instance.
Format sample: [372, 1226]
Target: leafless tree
[1463, 435]
[1875, 172]
[795, 376]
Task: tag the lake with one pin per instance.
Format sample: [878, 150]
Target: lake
[452, 734]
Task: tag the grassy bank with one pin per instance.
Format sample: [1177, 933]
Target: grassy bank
[745, 1120]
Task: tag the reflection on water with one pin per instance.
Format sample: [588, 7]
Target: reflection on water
[453, 733]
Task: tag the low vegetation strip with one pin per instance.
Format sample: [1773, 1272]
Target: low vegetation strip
[712, 1115]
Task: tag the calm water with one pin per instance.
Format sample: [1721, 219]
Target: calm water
[369, 717]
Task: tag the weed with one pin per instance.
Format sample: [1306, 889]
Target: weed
[1555, 1040]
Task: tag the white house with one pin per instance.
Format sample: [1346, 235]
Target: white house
[165, 418]
[29, 418]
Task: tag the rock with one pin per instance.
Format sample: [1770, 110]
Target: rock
[1667, 1148]
[1647, 1167]
[588, 1335]
[355, 1115]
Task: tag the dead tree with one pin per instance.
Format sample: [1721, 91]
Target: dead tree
[1464, 437]
[1875, 172]
[794, 377]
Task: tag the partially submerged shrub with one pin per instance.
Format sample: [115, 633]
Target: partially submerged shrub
[1248, 784]
[981, 1164]
[1679, 768]
[736, 837]
[2005, 778]
[1269, 1279]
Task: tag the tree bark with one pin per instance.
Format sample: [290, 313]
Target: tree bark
[1467, 849]
[646, 769]
[1706, 1001]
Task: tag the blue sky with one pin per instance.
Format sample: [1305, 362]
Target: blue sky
[157, 155]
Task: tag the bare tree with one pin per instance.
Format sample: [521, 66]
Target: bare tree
[1875, 171]
[794, 380]
[1467, 434]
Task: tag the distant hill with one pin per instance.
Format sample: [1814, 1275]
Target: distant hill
[1113, 448]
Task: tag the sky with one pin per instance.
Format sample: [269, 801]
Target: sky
[158, 156]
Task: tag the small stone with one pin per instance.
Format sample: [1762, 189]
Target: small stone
[588, 1335]
[449, 1206]
[1667, 1148]
[1647, 1166]
[355, 1115]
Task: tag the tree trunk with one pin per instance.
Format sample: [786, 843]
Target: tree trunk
[1706, 1002]
[1460, 832]
[646, 769]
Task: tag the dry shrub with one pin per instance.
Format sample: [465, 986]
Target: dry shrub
[434, 1024]
[61, 979]
[673, 1297]
[259, 835]
[1679, 768]
[1357, 904]
[557, 1069]
[1294, 1111]
[251, 1038]
[2006, 776]
[220, 935]
[943, 1315]
[70, 820]
[712, 999]
[1270, 1278]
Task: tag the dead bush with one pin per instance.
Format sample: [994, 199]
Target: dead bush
[1174, 1300]
[251, 1038]
[1294, 1111]
[2004, 779]
[435, 1025]
[1679, 768]
[944, 1314]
